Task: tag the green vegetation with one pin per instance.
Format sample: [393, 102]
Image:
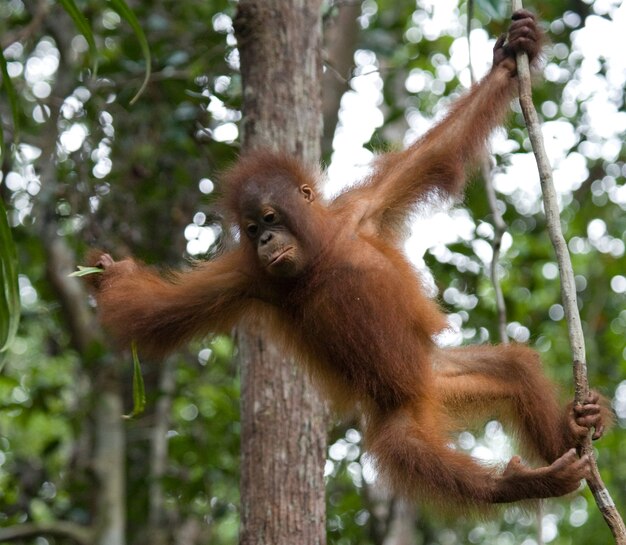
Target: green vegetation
[95, 165]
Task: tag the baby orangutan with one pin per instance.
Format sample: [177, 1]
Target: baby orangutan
[331, 283]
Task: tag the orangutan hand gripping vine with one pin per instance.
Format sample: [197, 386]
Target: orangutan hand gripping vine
[330, 282]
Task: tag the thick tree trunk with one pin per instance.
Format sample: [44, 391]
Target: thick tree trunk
[283, 430]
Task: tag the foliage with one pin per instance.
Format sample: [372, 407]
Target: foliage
[9, 295]
[90, 169]
[139, 391]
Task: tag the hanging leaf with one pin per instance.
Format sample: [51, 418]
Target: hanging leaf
[2, 146]
[83, 26]
[85, 271]
[128, 15]
[7, 85]
[496, 9]
[9, 287]
[139, 391]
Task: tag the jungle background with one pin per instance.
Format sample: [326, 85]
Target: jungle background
[88, 168]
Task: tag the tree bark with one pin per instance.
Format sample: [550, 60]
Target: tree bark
[283, 418]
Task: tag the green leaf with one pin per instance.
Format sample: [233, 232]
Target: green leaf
[83, 26]
[9, 287]
[127, 14]
[139, 391]
[7, 84]
[2, 146]
[496, 9]
[85, 271]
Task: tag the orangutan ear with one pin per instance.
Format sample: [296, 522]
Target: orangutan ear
[307, 192]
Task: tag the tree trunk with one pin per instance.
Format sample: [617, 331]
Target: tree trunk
[283, 429]
[403, 525]
[157, 532]
[109, 463]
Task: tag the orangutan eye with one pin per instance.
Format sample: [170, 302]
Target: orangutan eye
[252, 229]
[269, 218]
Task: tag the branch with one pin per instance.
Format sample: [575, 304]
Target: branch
[62, 529]
[30, 29]
[568, 288]
[60, 259]
[499, 227]
[84, 330]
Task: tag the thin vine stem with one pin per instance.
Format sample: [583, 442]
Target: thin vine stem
[568, 288]
[499, 226]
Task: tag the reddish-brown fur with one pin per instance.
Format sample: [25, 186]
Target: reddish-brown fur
[355, 314]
